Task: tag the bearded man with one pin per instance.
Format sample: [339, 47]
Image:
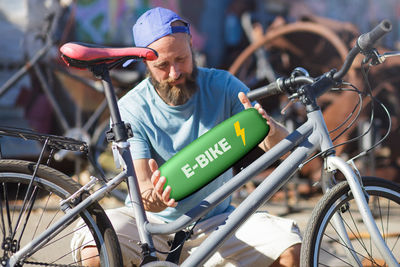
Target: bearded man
[173, 106]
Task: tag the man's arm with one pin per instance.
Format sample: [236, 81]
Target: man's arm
[151, 185]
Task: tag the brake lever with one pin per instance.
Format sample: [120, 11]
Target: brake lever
[379, 59]
[389, 54]
[288, 105]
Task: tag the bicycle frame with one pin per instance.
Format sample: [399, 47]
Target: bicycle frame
[309, 137]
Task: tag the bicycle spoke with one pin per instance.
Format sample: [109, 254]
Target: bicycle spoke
[42, 214]
[82, 246]
[334, 256]
[352, 232]
[380, 218]
[7, 206]
[360, 240]
[15, 201]
[395, 243]
[65, 235]
[28, 212]
[3, 228]
[21, 212]
[344, 245]
[52, 219]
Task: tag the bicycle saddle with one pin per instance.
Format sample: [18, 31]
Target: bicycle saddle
[83, 56]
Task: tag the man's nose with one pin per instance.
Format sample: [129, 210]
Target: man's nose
[174, 72]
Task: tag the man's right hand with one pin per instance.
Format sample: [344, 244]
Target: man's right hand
[158, 182]
[151, 183]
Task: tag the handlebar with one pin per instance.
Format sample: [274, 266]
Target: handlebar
[278, 87]
[367, 40]
[288, 85]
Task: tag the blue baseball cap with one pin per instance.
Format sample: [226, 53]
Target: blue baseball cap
[156, 23]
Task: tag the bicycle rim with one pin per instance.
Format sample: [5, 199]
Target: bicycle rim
[27, 213]
[323, 246]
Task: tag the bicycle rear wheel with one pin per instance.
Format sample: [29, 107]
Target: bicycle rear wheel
[21, 223]
[322, 245]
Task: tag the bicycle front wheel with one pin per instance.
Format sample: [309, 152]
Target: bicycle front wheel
[25, 213]
[323, 245]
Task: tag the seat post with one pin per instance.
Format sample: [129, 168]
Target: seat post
[118, 126]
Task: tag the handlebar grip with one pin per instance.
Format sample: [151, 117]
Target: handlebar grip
[268, 90]
[367, 40]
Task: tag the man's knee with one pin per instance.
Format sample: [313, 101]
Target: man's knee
[90, 256]
[289, 257]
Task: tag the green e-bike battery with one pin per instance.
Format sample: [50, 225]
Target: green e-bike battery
[213, 153]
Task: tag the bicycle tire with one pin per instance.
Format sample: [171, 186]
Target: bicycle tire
[323, 247]
[50, 187]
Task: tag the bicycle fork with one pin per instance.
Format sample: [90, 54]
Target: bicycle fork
[335, 163]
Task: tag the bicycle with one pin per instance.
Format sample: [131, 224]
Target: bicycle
[302, 143]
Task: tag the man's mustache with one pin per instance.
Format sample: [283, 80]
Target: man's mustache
[172, 80]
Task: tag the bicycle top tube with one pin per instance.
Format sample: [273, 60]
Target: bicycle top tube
[81, 55]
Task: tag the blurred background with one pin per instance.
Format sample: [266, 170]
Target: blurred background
[256, 40]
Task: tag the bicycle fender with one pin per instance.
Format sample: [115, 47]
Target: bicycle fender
[213, 153]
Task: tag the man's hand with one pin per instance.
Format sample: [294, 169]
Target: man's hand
[276, 131]
[158, 182]
[155, 199]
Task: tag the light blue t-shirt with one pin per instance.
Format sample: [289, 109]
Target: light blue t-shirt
[161, 130]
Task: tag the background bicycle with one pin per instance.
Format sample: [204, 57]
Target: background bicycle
[319, 44]
[62, 101]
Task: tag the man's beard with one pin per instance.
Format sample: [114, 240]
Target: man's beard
[176, 94]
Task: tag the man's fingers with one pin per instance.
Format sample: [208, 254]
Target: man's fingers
[158, 182]
[158, 187]
[172, 203]
[244, 100]
[155, 177]
[153, 165]
[166, 193]
[166, 197]
[262, 111]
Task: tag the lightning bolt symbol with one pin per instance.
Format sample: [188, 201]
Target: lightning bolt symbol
[240, 132]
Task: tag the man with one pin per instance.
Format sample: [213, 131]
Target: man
[176, 104]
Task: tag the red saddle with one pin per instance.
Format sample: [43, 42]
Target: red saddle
[83, 56]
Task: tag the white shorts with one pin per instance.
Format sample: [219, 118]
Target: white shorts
[258, 242]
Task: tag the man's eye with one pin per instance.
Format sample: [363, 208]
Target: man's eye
[162, 65]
